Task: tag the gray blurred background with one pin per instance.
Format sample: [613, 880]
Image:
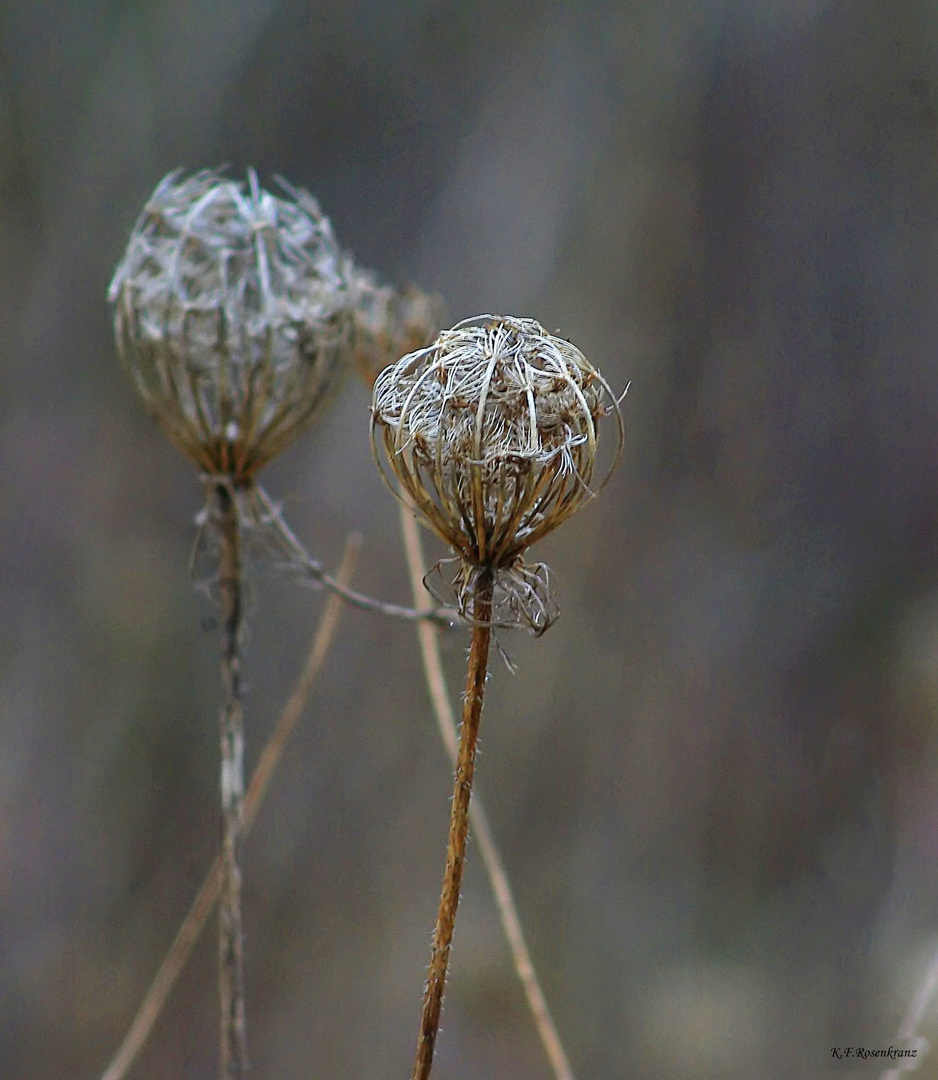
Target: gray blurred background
[714, 780]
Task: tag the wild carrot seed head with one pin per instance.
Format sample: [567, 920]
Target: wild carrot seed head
[232, 315]
[491, 434]
[389, 322]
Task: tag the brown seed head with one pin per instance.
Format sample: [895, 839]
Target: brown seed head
[390, 322]
[232, 314]
[491, 433]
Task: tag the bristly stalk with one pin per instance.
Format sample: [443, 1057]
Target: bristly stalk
[478, 819]
[476, 670]
[233, 1041]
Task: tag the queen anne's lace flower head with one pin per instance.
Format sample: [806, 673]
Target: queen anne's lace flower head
[232, 314]
[491, 434]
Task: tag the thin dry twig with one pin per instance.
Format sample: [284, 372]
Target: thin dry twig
[153, 1002]
[481, 830]
[271, 516]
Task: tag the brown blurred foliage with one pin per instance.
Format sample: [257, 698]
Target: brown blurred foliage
[713, 779]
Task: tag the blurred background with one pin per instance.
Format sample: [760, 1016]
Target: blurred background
[714, 780]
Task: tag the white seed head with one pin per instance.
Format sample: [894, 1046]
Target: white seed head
[232, 314]
[491, 434]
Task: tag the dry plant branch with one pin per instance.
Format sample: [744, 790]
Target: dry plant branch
[153, 1002]
[484, 838]
[272, 517]
[476, 670]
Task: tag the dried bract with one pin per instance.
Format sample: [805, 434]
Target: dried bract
[388, 322]
[491, 433]
[233, 309]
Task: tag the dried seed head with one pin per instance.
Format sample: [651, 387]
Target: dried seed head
[389, 323]
[491, 433]
[233, 308]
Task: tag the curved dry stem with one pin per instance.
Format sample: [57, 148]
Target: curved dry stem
[175, 960]
[271, 517]
[481, 830]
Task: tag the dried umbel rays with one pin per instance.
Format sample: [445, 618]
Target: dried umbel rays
[233, 308]
[491, 434]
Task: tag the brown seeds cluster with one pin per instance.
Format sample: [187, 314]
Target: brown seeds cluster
[491, 434]
[232, 315]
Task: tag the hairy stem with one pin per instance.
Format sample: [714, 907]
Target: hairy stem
[458, 828]
[155, 998]
[427, 636]
[233, 1043]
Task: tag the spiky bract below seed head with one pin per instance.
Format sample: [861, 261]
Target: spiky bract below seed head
[390, 322]
[232, 314]
[491, 434]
